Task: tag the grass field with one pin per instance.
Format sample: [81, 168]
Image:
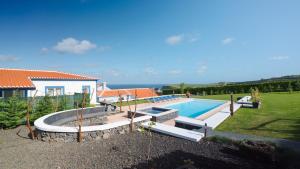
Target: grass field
[278, 117]
[125, 103]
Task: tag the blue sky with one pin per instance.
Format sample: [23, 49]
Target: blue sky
[155, 41]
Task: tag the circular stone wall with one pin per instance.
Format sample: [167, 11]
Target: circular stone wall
[62, 126]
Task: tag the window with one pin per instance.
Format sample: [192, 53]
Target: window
[54, 90]
[10, 93]
[21, 93]
[86, 89]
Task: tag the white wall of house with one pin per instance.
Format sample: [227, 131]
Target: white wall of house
[70, 87]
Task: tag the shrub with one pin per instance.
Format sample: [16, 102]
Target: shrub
[78, 99]
[290, 87]
[44, 106]
[13, 112]
[181, 88]
[281, 86]
[297, 85]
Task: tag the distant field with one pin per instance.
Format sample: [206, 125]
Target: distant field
[193, 85]
[125, 103]
[278, 117]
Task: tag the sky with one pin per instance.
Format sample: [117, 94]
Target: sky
[156, 42]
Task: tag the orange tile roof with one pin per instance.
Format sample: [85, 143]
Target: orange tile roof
[20, 78]
[140, 92]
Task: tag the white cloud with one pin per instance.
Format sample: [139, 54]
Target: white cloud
[104, 48]
[74, 46]
[227, 40]
[279, 57]
[175, 39]
[192, 37]
[175, 72]
[8, 58]
[44, 50]
[150, 71]
[201, 69]
[114, 73]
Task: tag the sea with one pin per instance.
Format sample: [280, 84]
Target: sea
[130, 86]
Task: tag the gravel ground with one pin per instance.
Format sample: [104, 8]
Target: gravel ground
[122, 151]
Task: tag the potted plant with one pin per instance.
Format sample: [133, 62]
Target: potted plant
[255, 98]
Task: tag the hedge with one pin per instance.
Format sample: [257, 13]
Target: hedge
[13, 109]
[286, 86]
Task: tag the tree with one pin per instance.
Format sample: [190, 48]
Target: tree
[182, 86]
[278, 88]
[78, 99]
[13, 113]
[297, 85]
[290, 87]
[3, 114]
[265, 89]
[251, 90]
[44, 106]
[255, 95]
[221, 91]
[62, 103]
[270, 88]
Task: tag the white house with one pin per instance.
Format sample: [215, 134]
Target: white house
[29, 82]
[104, 94]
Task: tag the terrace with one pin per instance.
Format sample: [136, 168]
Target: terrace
[168, 121]
[98, 122]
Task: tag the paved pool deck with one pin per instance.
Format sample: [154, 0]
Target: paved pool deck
[125, 109]
[214, 117]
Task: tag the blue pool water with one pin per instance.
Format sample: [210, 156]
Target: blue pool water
[195, 108]
[154, 110]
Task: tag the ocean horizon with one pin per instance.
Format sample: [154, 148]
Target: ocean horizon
[130, 86]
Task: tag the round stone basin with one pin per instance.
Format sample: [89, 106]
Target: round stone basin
[63, 127]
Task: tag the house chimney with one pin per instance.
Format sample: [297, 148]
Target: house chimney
[103, 85]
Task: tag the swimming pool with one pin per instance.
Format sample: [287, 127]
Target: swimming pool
[195, 107]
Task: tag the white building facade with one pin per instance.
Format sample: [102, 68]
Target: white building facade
[29, 83]
[64, 87]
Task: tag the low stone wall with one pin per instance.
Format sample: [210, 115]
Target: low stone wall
[165, 117]
[71, 115]
[87, 136]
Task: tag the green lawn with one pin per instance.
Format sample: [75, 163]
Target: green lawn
[125, 103]
[278, 117]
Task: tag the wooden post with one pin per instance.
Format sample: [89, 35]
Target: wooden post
[231, 104]
[120, 98]
[129, 107]
[132, 116]
[28, 126]
[77, 114]
[29, 108]
[205, 130]
[81, 117]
